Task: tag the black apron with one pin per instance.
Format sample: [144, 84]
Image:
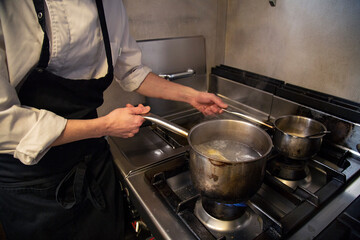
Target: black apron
[72, 193]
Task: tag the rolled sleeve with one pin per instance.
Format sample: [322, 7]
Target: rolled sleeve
[36, 142]
[134, 79]
[27, 133]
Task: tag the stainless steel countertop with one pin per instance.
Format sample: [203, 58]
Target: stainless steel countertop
[141, 151]
[163, 223]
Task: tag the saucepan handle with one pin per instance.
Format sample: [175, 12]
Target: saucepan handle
[248, 118]
[167, 124]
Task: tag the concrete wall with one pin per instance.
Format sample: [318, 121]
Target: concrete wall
[314, 44]
[152, 19]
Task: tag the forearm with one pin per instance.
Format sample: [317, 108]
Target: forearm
[157, 87]
[121, 122]
[76, 130]
[154, 86]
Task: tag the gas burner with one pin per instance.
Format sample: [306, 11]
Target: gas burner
[289, 169]
[247, 226]
[223, 211]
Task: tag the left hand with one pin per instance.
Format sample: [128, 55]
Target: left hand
[208, 103]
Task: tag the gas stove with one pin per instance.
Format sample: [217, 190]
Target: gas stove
[278, 209]
[314, 198]
[293, 192]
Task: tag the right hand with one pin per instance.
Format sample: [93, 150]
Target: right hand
[125, 122]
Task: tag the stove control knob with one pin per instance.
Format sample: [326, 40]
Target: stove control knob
[126, 192]
[140, 225]
[127, 196]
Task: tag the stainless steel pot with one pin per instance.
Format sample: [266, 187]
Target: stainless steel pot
[295, 137]
[217, 178]
[291, 136]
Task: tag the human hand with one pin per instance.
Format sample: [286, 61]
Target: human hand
[208, 103]
[125, 122]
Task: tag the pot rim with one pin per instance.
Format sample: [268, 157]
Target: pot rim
[223, 162]
[302, 117]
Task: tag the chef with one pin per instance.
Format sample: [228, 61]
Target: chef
[57, 179]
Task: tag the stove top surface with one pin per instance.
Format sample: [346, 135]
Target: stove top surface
[291, 194]
[279, 208]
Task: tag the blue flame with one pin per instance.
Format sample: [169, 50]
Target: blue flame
[234, 204]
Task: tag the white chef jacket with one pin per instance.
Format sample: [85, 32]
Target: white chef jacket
[76, 52]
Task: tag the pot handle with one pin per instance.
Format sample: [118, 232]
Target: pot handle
[166, 124]
[248, 118]
[319, 134]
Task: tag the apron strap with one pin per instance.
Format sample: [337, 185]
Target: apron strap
[95, 195]
[78, 182]
[105, 34]
[45, 54]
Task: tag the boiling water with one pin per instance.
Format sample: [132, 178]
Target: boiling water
[227, 150]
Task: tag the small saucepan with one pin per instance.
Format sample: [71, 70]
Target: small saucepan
[295, 137]
[227, 157]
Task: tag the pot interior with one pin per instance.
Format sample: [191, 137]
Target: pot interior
[298, 126]
[230, 140]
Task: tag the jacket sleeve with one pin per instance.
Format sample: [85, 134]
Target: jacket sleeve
[129, 71]
[26, 133]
